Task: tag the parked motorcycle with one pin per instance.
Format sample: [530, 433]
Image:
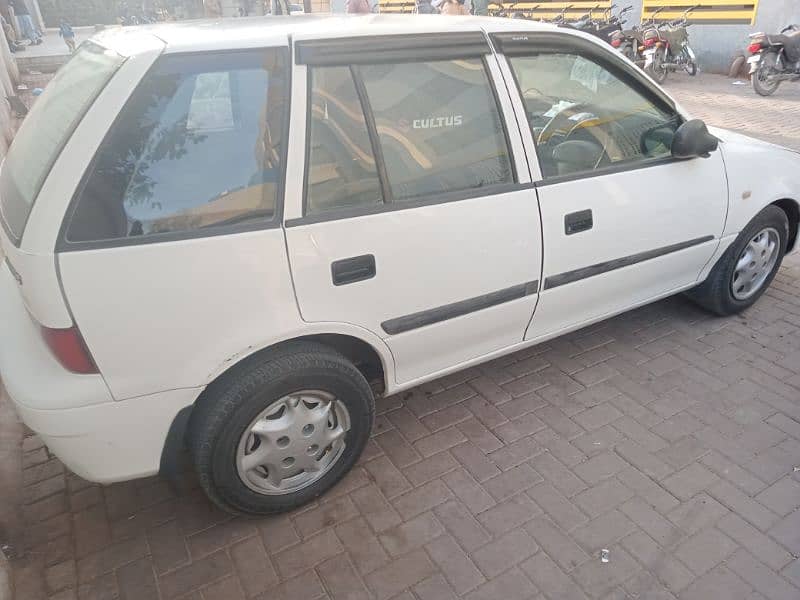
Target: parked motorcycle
[604, 26]
[666, 47]
[627, 42]
[775, 59]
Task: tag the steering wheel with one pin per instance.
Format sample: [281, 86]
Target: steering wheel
[569, 121]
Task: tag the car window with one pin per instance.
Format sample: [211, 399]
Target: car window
[584, 118]
[45, 131]
[341, 166]
[198, 145]
[439, 127]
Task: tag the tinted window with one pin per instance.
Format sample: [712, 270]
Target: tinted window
[584, 118]
[439, 127]
[47, 128]
[341, 166]
[198, 145]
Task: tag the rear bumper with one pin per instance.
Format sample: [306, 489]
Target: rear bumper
[99, 439]
[113, 441]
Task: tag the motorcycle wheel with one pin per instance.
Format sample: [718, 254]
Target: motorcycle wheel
[656, 70]
[690, 67]
[769, 65]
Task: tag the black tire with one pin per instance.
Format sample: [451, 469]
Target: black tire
[769, 64]
[691, 68]
[715, 293]
[229, 405]
[656, 69]
[737, 67]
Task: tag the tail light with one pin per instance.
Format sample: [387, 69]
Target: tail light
[70, 350]
[754, 47]
[616, 43]
[649, 42]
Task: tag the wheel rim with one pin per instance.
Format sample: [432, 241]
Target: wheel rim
[293, 442]
[755, 263]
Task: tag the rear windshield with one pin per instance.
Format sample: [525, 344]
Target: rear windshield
[47, 128]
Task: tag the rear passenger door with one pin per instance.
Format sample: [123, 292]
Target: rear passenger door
[416, 219]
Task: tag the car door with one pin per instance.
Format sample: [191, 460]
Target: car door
[623, 222]
[416, 219]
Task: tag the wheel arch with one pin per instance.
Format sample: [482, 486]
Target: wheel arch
[792, 209]
[376, 365]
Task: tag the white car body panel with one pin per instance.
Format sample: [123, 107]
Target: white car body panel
[748, 161]
[163, 320]
[634, 212]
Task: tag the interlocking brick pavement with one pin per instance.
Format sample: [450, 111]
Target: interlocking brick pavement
[666, 435]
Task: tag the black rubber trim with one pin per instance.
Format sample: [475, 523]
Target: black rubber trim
[391, 48]
[171, 464]
[457, 309]
[444, 198]
[618, 263]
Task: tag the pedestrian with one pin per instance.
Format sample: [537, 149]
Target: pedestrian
[453, 8]
[358, 7]
[25, 21]
[480, 7]
[424, 7]
[65, 31]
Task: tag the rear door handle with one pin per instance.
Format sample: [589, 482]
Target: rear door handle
[351, 270]
[578, 221]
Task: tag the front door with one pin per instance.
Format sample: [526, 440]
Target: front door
[418, 220]
[623, 222]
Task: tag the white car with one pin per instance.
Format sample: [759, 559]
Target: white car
[236, 236]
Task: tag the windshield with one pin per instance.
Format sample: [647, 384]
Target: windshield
[47, 128]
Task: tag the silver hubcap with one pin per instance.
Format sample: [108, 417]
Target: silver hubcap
[755, 263]
[292, 443]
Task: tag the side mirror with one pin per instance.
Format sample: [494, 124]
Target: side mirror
[692, 139]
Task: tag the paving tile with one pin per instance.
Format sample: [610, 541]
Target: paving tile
[434, 587]
[747, 508]
[549, 578]
[599, 467]
[602, 497]
[557, 474]
[341, 580]
[411, 534]
[195, 575]
[705, 550]
[787, 532]
[422, 498]
[556, 543]
[505, 552]
[597, 416]
[307, 554]
[698, 513]
[747, 536]
[253, 566]
[511, 585]
[718, 583]
[603, 531]
[400, 574]
[761, 577]
[137, 581]
[458, 569]
[690, 480]
[782, 497]
[364, 548]
[462, 525]
[561, 510]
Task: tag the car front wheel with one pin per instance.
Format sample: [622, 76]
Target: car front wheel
[748, 266]
[280, 430]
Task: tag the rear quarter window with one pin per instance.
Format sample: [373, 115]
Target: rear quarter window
[198, 146]
[48, 127]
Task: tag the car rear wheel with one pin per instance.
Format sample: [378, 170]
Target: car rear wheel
[281, 430]
[748, 266]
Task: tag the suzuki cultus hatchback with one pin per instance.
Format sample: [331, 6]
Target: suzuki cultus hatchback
[233, 237]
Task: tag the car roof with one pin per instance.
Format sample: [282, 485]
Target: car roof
[255, 32]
